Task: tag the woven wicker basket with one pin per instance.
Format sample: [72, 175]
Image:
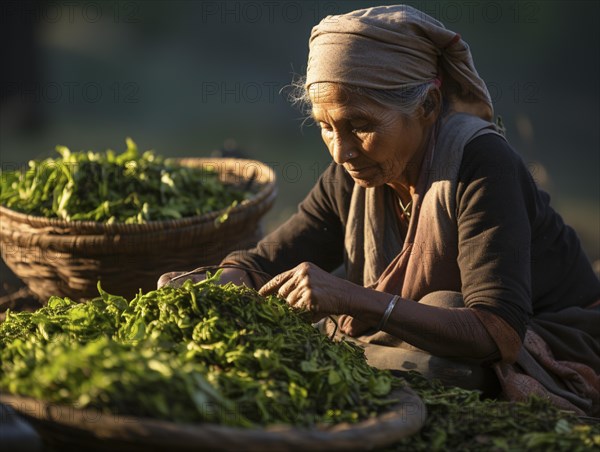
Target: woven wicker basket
[69, 428]
[67, 258]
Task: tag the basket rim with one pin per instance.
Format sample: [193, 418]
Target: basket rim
[267, 190]
[387, 427]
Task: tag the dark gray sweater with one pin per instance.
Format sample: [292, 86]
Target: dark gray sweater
[495, 193]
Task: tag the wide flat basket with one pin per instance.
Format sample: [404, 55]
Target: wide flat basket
[68, 258]
[69, 428]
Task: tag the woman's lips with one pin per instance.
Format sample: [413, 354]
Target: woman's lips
[358, 170]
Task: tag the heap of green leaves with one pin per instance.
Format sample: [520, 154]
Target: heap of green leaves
[210, 353]
[458, 419]
[202, 352]
[106, 187]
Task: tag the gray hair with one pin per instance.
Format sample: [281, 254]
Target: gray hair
[406, 100]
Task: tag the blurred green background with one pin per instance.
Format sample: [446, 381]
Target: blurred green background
[187, 77]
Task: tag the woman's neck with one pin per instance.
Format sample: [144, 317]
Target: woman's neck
[406, 186]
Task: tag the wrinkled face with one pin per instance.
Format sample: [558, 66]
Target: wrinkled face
[374, 143]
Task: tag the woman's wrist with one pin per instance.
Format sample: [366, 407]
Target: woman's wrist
[367, 305]
[388, 312]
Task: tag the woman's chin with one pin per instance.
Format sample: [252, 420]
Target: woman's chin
[367, 183]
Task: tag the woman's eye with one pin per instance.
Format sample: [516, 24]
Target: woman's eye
[360, 128]
[326, 129]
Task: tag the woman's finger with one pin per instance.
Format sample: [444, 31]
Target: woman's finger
[294, 299]
[299, 300]
[286, 288]
[274, 284]
[344, 322]
[167, 280]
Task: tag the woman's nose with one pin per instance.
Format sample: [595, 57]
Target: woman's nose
[342, 150]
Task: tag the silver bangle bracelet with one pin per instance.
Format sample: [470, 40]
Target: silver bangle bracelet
[388, 312]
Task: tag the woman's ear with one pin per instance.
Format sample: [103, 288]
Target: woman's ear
[428, 107]
[432, 104]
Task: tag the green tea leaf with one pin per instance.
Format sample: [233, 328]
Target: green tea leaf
[105, 187]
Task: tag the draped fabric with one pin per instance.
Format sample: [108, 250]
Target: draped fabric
[393, 47]
[426, 262]
[427, 257]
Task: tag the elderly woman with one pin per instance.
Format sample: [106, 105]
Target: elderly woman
[454, 260]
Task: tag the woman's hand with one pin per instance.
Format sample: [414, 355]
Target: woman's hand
[167, 279]
[352, 326]
[310, 288]
[233, 275]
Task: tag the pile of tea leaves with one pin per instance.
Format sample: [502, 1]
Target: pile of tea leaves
[202, 352]
[459, 419]
[130, 187]
[224, 354]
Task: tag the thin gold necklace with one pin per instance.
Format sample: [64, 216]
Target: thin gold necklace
[405, 209]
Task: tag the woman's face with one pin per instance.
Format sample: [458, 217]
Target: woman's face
[375, 144]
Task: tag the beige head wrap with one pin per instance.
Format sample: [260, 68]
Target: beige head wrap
[390, 47]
